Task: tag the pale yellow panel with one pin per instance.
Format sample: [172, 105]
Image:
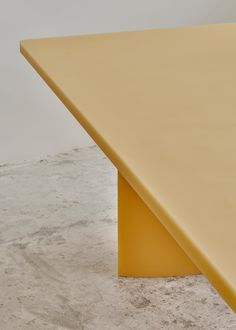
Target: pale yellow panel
[162, 105]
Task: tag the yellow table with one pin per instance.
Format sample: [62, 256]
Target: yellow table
[162, 105]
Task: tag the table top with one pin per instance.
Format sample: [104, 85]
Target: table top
[162, 105]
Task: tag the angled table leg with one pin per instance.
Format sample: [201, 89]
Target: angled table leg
[145, 248]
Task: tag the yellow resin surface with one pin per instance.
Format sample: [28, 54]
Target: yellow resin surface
[162, 106]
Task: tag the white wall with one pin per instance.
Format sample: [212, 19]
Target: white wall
[33, 122]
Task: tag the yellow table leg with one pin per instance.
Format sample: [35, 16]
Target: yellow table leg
[145, 248]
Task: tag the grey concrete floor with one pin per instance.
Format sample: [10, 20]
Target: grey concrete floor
[58, 258]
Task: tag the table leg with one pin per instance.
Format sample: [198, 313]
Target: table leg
[145, 248]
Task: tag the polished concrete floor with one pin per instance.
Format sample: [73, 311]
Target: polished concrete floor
[58, 258]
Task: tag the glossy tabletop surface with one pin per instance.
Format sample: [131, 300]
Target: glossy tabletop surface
[162, 106]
